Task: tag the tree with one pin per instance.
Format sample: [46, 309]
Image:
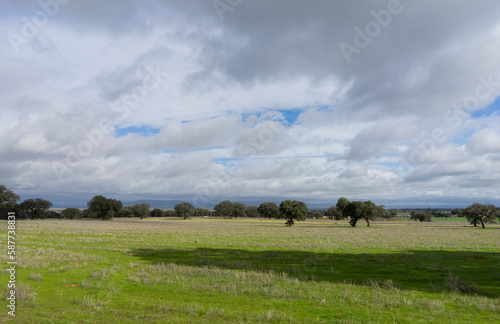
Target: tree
[52, 214]
[457, 212]
[369, 211]
[421, 216]
[341, 206]
[269, 210]
[480, 213]
[184, 210]
[71, 213]
[333, 213]
[382, 212]
[8, 200]
[126, 211]
[252, 211]
[224, 209]
[157, 212]
[317, 214]
[103, 208]
[391, 213]
[170, 213]
[440, 213]
[354, 210]
[36, 208]
[202, 212]
[293, 210]
[86, 214]
[141, 210]
[239, 210]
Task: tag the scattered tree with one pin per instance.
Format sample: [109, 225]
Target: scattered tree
[224, 209]
[141, 210]
[317, 214]
[333, 213]
[369, 211]
[391, 213]
[480, 213]
[126, 211]
[269, 210]
[421, 216]
[157, 212]
[86, 214]
[382, 212]
[184, 210]
[252, 211]
[103, 208]
[36, 208]
[239, 210]
[353, 210]
[293, 210]
[8, 200]
[52, 214]
[356, 210]
[202, 212]
[440, 213]
[170, 213]
[71, 213]
[342, 203]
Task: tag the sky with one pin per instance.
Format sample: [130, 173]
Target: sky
[202, 101]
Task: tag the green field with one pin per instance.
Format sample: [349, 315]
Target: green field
[257, 271]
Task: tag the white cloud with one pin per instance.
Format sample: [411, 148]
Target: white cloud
[371, 129]
[485, 141]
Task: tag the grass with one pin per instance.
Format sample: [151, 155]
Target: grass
[254, 271]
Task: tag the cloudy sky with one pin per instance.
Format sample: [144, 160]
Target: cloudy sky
[199, 100]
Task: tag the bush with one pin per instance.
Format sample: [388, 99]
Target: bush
[71, 213]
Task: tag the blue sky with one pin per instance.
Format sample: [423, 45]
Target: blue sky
[134, 100]
[144, 130]
[488, 111]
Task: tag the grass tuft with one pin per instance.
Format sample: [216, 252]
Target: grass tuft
[455, 284]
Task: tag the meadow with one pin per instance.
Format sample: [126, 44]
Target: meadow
[253, 271]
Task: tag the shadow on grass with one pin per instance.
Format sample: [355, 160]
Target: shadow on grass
[428, 271]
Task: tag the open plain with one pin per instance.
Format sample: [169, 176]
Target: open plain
[160, 270]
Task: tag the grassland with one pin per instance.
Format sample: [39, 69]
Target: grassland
[257, 271]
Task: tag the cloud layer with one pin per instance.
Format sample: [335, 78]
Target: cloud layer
[393, 101]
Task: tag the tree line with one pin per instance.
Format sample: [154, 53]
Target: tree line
[100, 207]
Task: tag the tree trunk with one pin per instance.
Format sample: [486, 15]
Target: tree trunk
[368, 222]
[482, 222]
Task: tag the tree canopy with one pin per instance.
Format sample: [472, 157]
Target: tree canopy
[103, 208]
[36, 208]
[252, 211]
[370, 211]
[341, 206]
[71, 213]
[269, 210]
[157, 212]
[422, 216]
[354, 210]
[8, 200]
[479, 213]
[293, 210]
[239, 209]
[333, 213]
[224, 209]
[184, 210]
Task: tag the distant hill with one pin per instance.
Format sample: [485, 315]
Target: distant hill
[170, 204]
[162, 204]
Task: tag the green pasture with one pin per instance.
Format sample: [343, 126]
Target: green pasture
[253, 271]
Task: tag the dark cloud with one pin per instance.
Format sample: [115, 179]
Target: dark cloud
[366, 119]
